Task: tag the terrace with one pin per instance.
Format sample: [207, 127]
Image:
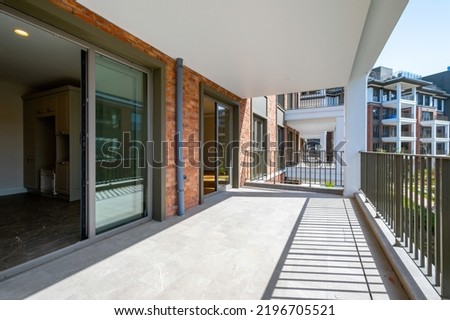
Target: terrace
[240, 244]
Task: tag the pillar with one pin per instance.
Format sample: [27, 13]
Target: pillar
[355, 129]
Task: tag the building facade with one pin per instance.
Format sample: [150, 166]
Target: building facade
[406, 114]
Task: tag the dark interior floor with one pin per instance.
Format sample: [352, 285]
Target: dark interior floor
[33, 225]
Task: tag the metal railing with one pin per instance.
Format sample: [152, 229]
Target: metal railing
[321, 102]
[408, 97]
[407, 134]
[407, 115]
[306, 168]
[412, 196]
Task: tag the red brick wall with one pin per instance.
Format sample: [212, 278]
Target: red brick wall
[245, 130]
[191, 85]
[271, 133]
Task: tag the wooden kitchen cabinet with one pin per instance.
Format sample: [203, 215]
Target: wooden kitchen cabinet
[52, 126]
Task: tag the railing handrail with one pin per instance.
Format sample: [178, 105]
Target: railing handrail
[405, 154]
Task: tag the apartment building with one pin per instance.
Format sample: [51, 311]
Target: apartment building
[406, 114]
[442, 80]
[104, 128]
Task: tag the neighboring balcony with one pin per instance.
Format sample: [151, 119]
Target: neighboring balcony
[406, 101]
[440, 128]
[405, 118]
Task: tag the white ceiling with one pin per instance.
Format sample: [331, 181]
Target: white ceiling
[40, 61]
[261, 47]
[313, 128]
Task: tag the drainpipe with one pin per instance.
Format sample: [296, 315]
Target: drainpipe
[179, 137]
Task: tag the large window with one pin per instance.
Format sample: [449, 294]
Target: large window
[280, 100]
[121, 107]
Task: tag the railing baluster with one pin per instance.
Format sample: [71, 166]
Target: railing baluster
[428, 216]
[416, 206]
[411, 204]
[422, 212]
[437, 223]
[445, 230]
[405, 199]
[398, 196]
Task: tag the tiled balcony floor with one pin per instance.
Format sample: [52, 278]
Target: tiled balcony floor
[240, 244]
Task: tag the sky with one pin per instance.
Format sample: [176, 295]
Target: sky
[420, 42]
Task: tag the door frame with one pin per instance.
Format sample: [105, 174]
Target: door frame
[205, 90]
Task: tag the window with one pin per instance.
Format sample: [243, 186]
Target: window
[427, 116]
[376, 131]
[376, 95]
[419, 99]
[289, 101]
[280, 100]
[440, 105]
[376, 113]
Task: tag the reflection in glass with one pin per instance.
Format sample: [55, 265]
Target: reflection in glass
[121, 104]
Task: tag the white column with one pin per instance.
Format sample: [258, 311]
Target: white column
[323, 144]
[355, 132]
[399, 91]
[398, 145]
[447, 135]
[447, 144]
[433, 139]
[339, 131]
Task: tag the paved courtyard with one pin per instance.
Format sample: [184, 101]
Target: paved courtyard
[241, 244]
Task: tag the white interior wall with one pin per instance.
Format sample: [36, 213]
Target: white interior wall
[11, 138]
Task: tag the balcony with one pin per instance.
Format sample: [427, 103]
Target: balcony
[410, 199]
[321, 102]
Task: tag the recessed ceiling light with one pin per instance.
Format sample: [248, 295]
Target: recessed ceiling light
[21, 32]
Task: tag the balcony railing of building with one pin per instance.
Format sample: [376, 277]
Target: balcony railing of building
[411, 195]
[407, 115]
[442, 117]
[407, 134]
[306, 168]
[410, 97]
[441, 134]
[398, 74]
[321, 102]
[389, 116]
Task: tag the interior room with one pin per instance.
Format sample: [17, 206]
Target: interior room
[40, 163]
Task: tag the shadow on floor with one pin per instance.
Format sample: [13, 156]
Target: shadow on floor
[332, 254]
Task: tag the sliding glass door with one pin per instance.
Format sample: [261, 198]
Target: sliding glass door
[121, 127]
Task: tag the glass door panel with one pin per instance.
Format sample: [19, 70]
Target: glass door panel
[121, 106]
[224, 146]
